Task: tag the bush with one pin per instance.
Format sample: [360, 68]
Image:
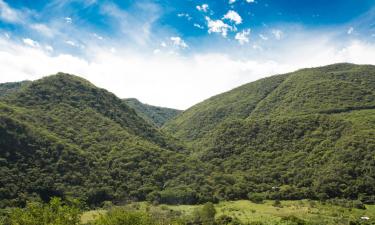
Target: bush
[205, 215]
[55, 212]
[256, 197]
[277, 204]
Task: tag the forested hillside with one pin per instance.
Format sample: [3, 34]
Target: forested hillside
[307, 134]
[62, 136]
[153, 114]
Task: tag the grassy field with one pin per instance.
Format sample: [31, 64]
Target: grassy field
[248, 212]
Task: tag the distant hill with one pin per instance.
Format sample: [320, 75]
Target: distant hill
[153, 114]
[11, 87]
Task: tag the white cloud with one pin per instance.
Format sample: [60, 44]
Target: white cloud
[178, 42]
[43, 29]
[232, 1]
[30, 42]
[243, 36]
[198, 26]
[263, 37]
[8, 14]
[203, 7]
[186, 15]
[74, 44]
[250, 1]
[350, 30]
[68, 20]
[233, 16]
[218, 26]
[97, 36]
[49, 48]
[174, 80]
[278, 34]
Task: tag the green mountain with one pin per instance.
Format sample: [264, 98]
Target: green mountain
[63, 136]
[153, 114]
[306, 134]
[302, 135]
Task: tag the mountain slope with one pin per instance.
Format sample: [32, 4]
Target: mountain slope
[63, 136]
[153, 114]
[310, 135]
[194, 123]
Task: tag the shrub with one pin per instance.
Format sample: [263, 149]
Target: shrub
[256, 197]
[55, 212]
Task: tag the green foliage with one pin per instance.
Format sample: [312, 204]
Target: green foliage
[153, 114]
[10, 88]
[122, 217]
[256, 197]
[306, 134]
[60, 134]
[54, 213]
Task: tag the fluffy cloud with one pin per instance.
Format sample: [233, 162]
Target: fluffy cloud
[173, 80]
[203, 7]
[218, 26]
[178, 42]
[233, 16]
[243, 36]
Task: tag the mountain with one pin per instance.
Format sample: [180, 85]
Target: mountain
[302, 135]
[153, 114]
[11, 87]
[306, 134]
[63, 136]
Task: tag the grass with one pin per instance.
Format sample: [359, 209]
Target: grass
[312, 211]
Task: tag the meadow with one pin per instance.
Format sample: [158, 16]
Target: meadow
[247, 212]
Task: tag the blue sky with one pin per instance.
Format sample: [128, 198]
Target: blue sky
[177, 53]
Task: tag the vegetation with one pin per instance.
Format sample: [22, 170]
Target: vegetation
[303, 135]
[153, 114]
[246, 212]
[12, 87]
[62, 136]
[307, 134]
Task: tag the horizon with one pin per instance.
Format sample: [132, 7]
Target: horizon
[194, 103]
[177, 54]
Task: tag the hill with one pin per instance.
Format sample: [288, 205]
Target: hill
[306, 134]
[62, 136]
[153, 114]
[302, 135]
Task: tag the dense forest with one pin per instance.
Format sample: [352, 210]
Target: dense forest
[153, 114]
[307, 134]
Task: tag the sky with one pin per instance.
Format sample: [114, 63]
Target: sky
[178, 53]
